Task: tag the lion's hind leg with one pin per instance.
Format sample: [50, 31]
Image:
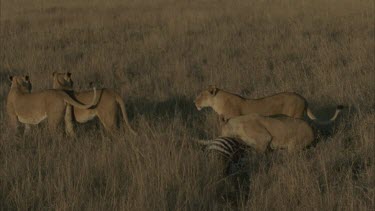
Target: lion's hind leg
[296, 111]
[109, 119]
[257, 136]
[68, 119]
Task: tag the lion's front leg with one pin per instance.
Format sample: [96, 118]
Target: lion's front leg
[27, 130]
[14, 124]
[13, 120]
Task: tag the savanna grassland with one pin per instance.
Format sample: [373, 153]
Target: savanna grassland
[159, 54]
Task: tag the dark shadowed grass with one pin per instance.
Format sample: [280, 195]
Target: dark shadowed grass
[159, 55]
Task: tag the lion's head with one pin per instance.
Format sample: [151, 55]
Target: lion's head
[21, 82]
[205, 98]
[62, 81]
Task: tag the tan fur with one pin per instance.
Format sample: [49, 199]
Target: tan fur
[106, 109]
[32, 108]
[261, 132]
[229, 105]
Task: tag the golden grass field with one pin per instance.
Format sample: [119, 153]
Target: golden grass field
[159, 54]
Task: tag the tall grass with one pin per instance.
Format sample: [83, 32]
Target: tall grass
[158, 55]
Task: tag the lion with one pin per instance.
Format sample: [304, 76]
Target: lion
[106, 109]
[31, 108]
[263, 132]
[229, 105]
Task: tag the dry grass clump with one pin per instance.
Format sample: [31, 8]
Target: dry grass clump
[158, 55]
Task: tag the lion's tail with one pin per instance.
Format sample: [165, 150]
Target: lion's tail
[120, 101]
[324, 122]
[77, 104]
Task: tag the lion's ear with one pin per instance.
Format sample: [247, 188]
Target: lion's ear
[27, 78]
[10, 78]
[68, 74]
[213, 90]
[53, 74]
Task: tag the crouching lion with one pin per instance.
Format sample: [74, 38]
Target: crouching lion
[278, 132]
[229, 105]
[32, 108]
[106, 109]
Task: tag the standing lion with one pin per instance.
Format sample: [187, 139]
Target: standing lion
[31, 108]
[229, 105]
[106, 109]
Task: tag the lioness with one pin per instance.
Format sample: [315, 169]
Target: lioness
[229, 105]
[31, 108]
[106, 109]
[278, 132]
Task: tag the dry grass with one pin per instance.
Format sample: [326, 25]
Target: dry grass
[159, 54]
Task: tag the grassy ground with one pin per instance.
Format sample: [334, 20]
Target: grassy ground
[158, 55]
